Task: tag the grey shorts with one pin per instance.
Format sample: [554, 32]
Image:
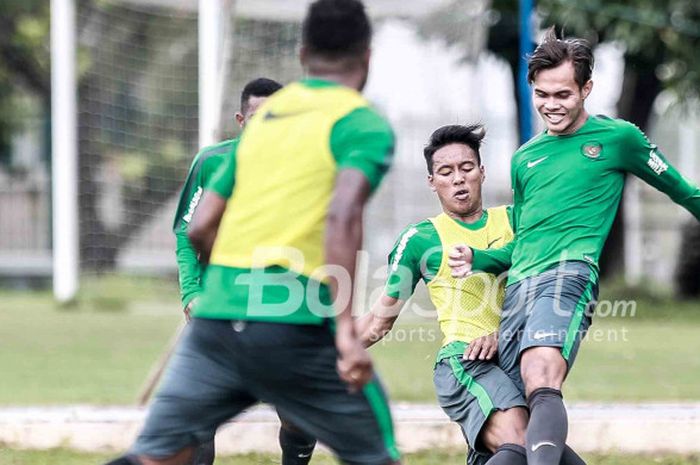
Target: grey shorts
[468, 392]
[551, 309]
[222, 367]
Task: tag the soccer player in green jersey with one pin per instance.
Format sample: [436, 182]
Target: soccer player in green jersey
[567, 185]
[205, 164]
[279, 227]
[471, 388]
[296, 446]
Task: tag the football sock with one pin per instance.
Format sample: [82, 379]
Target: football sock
[296, 446]
[204, 454]
[547, 428]
[508, 454]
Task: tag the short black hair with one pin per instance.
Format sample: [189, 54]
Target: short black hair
[260, 87]
[552, 52]
[336, 28]
[470, 135]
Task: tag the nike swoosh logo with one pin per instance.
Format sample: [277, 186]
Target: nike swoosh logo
[532, 164]
[540, 444]
[539, 336]
[304, 456]
[270, 115]
[493, 242]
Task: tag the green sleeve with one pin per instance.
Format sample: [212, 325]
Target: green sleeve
[511, 218]
[404, 271]
[499, 260]
[365, 141]
[494, 261]
[643, 159]
[223, 179]
[189, 269]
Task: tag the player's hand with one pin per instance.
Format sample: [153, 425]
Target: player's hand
[482, 348]
[354, 363]
[188, 310]
[460, 260]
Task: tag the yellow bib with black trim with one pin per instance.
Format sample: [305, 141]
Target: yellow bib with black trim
[469, 308]
[285, 176]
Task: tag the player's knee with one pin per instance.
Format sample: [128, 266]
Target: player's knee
[505, 427]
[542, 367]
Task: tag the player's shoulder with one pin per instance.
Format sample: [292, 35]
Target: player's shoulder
[365, 118]
[616, 125]
[219, 149]
[416, 233]
[529, 145]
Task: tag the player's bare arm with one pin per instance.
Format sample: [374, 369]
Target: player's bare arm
[205, 223]
[343, 240]
[373, 326]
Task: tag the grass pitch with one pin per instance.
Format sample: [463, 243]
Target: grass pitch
[101, 351]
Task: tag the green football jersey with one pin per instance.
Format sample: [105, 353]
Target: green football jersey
[203, 167]
[566, 192]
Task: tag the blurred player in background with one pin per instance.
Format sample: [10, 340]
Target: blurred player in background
[274, 321]
[296, 446]
[567, 185]
[471, 388]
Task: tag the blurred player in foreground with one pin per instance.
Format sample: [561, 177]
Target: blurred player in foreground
[471, 388]
[274, 322]
[567, 185]
[296, 446]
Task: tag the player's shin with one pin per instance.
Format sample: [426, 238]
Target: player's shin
[548, 427]
[297, 446]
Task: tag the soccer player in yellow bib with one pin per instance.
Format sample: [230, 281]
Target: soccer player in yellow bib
[280, 226]
[471, 388]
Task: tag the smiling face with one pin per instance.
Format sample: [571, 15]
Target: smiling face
[559, 99]
[457, 178]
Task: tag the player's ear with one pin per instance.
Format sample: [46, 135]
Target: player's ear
[586, 89]
[240, 119]
[483, 173]
[430, 182]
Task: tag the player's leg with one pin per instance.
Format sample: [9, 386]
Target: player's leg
[201, 389]
[301, 380]
[204, 454]
[296, 445]
[516, 308]
[488, 407]
[553, 333]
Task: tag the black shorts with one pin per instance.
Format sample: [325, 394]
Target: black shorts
[221, 367]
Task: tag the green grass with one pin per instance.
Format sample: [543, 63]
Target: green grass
[100, 351]
[62, 456]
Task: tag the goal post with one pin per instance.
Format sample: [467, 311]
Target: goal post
[64, 151]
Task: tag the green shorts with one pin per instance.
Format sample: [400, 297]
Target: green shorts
[469, 391]
[551, 309]
[222, 367]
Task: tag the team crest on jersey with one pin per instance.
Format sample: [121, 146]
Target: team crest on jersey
[592, 149]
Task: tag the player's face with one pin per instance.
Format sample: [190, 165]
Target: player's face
[559, 100]
[457, 178]
[253, 105]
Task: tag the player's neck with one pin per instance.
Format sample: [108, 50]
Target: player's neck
[339, 72]
[469, 218]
